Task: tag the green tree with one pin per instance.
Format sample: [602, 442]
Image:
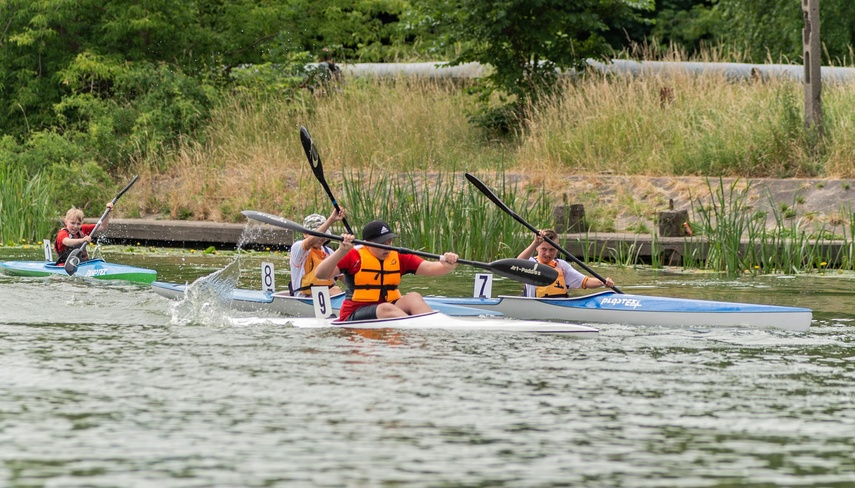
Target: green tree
[772, 29]
[685, 24]
[527, 42]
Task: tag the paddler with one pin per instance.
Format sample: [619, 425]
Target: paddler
[308, 252]
[75, 233]
[372, 275]
[568, 277]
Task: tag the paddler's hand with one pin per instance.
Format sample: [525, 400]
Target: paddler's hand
[449, 259]
[347, 243]
[610, 283]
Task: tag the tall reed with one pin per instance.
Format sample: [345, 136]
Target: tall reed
[26, 210]
[438, 212]
[724, 222]
[739, 239]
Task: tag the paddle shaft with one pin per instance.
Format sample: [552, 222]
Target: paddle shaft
[516, 269]
[499, 203]
[116, 199]
[318, 170]
[70, 265]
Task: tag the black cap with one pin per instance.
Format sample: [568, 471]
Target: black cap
[377, 231]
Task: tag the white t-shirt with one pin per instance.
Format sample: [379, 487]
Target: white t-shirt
[298, 263]
[572, 278]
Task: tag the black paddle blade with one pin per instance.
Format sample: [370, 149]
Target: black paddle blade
[126, 188]
[72, 262]
[523, 270]
[318, 169]
[489, 194]
[309, 148]
[499, 203]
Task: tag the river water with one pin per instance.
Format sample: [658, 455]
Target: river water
[101, 386]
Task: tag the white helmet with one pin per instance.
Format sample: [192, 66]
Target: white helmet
[314, 221]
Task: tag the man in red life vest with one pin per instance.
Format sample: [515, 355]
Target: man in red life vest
[372, 275]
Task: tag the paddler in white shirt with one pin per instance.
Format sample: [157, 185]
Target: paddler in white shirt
[568, 277]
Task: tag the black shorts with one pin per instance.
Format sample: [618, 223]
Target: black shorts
[368, 312]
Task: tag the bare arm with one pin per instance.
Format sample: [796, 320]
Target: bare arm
[328, 267]
[446, 264]
[71, 242]
[310, 241]
[596, 283]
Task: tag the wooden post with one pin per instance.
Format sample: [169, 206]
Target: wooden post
[570, 218]
[812, 65]
[672, 223]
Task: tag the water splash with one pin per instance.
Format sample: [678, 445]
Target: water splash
[254, 231]
[206, 301]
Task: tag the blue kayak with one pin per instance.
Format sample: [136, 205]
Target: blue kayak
[94, 268]
[611, 307]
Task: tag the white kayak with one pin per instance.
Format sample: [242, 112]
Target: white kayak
[255, 300]
[434, 320]
[284, 303]
[611, 307]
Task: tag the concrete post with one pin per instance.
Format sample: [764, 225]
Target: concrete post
[812, 65]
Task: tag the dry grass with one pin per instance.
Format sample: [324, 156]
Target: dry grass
[601, 125]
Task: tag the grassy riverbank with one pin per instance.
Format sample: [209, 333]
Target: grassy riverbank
[598, 126]
[397, 149]
[706, 126]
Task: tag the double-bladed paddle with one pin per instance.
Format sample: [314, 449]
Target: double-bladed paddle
[73, 260]
[318, 169]
[522, 270]
[499, 203]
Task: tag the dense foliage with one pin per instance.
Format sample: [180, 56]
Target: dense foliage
[87, 88]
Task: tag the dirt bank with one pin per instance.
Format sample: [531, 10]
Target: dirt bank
[632, 202]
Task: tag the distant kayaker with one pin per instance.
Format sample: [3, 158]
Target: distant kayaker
[75, 233]
[309, 251]
[568, 277]
[372, 275]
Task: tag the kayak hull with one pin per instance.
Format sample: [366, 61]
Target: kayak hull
[438, 320]
[611, 307]
[604, 307]
[255, 300]
[94, 268]
[285, 304]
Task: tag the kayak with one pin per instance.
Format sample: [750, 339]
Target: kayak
[611, 307]
[284, 303]
[94, 268]
[436, 320]
[604, 307]
[255, 300]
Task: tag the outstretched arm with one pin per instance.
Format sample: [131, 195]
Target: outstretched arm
[106, 219]
[446, 264]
